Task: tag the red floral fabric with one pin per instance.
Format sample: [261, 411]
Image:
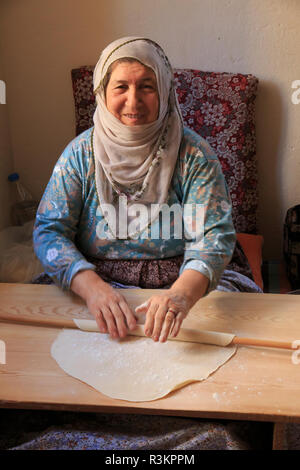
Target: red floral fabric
[218, 106]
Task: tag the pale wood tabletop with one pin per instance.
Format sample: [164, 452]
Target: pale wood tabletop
[256, 384]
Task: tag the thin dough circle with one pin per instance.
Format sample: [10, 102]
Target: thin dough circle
[135, 369]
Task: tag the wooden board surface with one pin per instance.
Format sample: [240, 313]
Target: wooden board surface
[256, 384]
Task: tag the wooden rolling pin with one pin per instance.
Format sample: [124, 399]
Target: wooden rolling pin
[185, 334]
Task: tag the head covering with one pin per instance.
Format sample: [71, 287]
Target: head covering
[135, 163]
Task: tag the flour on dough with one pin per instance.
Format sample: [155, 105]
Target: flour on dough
[134, 368]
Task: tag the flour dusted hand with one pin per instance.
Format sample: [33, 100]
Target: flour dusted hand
[165, 313]
[110, 309]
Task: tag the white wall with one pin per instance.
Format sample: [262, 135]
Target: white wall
[43, 40]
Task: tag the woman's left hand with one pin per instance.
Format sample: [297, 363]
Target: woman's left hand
[165, 313]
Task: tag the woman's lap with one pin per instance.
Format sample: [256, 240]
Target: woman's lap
[50, 430]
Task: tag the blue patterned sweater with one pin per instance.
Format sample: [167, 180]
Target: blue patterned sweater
[70, 227]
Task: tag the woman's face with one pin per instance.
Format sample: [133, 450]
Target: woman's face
[132, 95]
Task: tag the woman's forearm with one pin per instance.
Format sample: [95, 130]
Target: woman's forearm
[192, 284]
[84, 282]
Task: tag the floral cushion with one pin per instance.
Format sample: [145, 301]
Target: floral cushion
[219, 107]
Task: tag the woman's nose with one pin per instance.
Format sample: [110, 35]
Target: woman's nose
[133, 97]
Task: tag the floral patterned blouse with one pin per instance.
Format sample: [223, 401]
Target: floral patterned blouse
[70, 226]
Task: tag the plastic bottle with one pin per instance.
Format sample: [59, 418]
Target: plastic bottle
[24, 207]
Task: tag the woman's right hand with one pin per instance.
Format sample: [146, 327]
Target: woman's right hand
[110, 309]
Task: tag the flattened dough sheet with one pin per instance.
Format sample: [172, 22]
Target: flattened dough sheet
[135, 368]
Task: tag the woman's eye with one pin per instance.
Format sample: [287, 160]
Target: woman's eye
[148, 87]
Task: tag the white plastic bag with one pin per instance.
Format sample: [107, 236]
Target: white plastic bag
[18, 262]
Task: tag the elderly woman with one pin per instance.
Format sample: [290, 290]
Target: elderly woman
[137, 159]
[105, 222]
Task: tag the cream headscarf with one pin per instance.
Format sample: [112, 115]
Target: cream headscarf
[136, 162]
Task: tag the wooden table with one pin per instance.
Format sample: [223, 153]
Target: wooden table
[260, 384]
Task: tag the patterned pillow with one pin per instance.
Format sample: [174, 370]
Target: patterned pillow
[219, 107]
